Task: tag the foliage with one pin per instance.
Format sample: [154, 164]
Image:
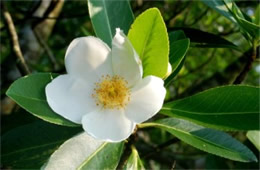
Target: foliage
[148, 35]
[31, 145]
[209, 44]
[32, 98]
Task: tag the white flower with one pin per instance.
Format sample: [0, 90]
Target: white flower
[104, 89]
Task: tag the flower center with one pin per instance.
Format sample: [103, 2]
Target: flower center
[111, 92]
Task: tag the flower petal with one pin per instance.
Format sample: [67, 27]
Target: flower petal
[108, 124]
[125, 60]
[88, 58]
[146, 99]
[70, 97]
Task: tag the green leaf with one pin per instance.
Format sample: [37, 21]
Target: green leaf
[254, 137]
[107, 156]
[29, 93]
[149, 37]
[220, 6]
[208, 140]
[246, 25]
[226, 108]
[179, 46]
[107, 15]
[257, 15]
[170, 79]
[203, 39]
[250, 27]
[229, 9]
[134, 162]
[16, 119]
[176, 35]
[85, 152]
[29, 146]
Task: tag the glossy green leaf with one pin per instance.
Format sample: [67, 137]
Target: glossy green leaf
[251, 28]
[220, 6]
[238, 15]
[170, 79]
[227, 108]
[29, 146]
[107, 15]
[73, 152]
[149, 37]
[208, 140]
[29, 93]
[231, 4]
[107, 156]
[246, 25]
[134, 162]
[16, 119]
[257, 15]
[176, 35]
[203, 39]
[229, 9]
[179, 46]
[85, 152]
[254, 137]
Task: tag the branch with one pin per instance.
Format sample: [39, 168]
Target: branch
[28, 15]
[47, 49]
[240, 78]
[22, 66]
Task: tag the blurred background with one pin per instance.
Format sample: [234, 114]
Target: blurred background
[45, 29]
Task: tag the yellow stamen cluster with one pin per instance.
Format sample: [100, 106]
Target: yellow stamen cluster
[111, 92]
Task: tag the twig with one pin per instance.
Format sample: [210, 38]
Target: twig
[29, 14]
[37, 18]
[84, 14]
[173, 165]
[47, 50]
[22, 66]
[240, 78]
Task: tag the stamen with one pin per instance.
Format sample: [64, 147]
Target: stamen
[111, 92]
